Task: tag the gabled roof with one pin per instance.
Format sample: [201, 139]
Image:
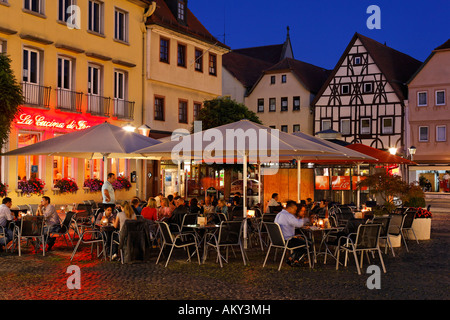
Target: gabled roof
[245, 69]
[164, 17]
[442, 47]
[271, 53]
[396, 66]
[311, 76]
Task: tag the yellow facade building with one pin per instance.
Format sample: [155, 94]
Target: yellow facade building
[80, 63]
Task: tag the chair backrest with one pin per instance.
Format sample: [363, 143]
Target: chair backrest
[222, 217]
[68, 219]
[33, 208]
[267, 217]
[275, 234]
[367, 236]
[385, 222]
[23, 208]
[32, 226]
[230, 232]
[409, 219]
[275, 209]
[332, 220]
[396, 223]
[87, 207]
[165, 231]
[190, 218]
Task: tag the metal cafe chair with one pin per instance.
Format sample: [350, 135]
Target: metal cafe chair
[384, 232]
[367, 240]
[277, 241]
[407, 225]
[96, 237]
[229, 235]
[267, 217]
[175, 242]
[31, 227]
[65, 227]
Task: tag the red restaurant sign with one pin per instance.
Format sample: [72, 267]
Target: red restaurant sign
[322, 182]
[41, 121]
[355, 181]
[340, 182]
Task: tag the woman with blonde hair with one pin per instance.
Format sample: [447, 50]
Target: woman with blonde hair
[164, 211]
[150, 212]
[127, 213]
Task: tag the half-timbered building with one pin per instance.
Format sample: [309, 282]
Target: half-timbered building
[364, 97]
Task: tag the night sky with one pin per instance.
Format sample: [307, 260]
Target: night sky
[320, 30]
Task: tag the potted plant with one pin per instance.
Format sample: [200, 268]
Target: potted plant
[3, 190]
[66, 185]
[121, 183]
[421, 225]
[94, 185]
[31, 186]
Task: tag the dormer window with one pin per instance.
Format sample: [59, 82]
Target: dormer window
[182, 10]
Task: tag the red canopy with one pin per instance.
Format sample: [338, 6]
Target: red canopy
[382, 156]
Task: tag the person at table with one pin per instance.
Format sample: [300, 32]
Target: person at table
[172, 205]
[108, 194]
[273, 202]
[178, 213]
[135, 206]
[288, 222]
[208, 208]
[127, 213]
[164, 212]
[321, 209]
[150, 212]
[302, 211]
[5, 218]
[194, 207]
[52, 220]
[222, 207]
[237, 200]
[158, 199]
[108, 214]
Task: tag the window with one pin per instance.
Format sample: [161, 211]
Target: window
[284, 104]
[29, 166]
[284, 129]
[120, 167]
[296, 128]
[181, 10]
[272, 104]
[64, 73]
[296, 103]
[423, 134]
[63, 167]
[94, 80]
[62, 9]
[34, 5]
[365, 126]
[272, 79]
[95, 16]
[121, 25]
[345, 89]
[198, 60]
[441, 133]
[283, 78]
[357, 60]
[260, 105]
[31, 66]
[182, 111]
[119, 85]
[181, 55]
[345, 127]
[440, 97]
[387, 125]
[272, 127]
[164, 50]
[197, 107]
[368, 87]
[2, 46]
[93, 169]
[422, 99]
[326, 124]
[159, 108]
[212, 64]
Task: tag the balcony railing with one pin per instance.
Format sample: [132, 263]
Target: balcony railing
[123, 109]
[98, 105]
[68, 100]
[35, 94]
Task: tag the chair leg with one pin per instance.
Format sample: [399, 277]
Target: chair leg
[390, 245]
[267, 255]
[356, 261]
[170, 254]
[76, 247]
[160, 252]
[381, 259]
[404, 241]
[242, 252]
[282, 257]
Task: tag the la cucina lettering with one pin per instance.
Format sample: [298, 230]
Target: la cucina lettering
[42, 122]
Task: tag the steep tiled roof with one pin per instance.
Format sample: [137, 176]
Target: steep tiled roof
[445, 45]
[244, 68]
[163, 16]
[311, 76]
[271, 53]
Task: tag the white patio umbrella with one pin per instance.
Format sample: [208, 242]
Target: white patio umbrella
[242, 140]
[98, 142]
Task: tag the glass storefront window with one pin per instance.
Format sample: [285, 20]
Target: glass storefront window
[93, 169]
[28, 166]
[120, 167]
[63, 167]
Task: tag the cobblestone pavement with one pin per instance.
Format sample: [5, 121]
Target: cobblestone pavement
[422, 273]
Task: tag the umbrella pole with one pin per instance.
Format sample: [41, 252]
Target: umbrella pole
[105, 168]
[259, 183]
[245, 200]
[299, 178]
[358, 191]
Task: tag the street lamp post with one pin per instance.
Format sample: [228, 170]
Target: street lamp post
[412, 152]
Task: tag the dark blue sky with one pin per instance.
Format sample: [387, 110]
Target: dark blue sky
[321, 29]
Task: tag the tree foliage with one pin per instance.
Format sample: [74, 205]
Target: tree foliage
[11, 97]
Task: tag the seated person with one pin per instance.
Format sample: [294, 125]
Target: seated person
[194, 207]
[108, 214]
[135, 206]
[178, 213]
[208, 207]
[222, 207]
[237, 200]
[52, 220]
[164, 211]
[288, 222]
[273, 202]
[321, 209]
[126, 213]
[5, 218]
[150, 212]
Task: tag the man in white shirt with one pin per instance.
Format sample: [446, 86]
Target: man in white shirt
[272, 202]
[288, 221]
[108, 190]
[5, 217]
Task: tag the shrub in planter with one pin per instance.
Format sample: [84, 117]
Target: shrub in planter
[121, 183]
[31, 186]
[94, 185]
[3, 190]
[421, 225]
[66, 185]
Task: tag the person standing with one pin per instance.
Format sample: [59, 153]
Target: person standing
[108, 194]
[52, 220]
